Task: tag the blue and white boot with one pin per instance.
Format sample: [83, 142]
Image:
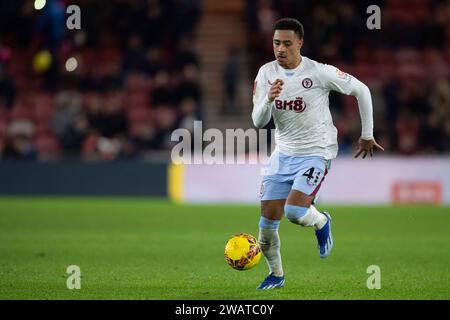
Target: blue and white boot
[324, 238]
[271, 282]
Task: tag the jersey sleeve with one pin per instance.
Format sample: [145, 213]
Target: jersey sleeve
[262, 107]
[334, 79]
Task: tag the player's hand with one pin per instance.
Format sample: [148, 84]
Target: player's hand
[367, 147]
[275, 90]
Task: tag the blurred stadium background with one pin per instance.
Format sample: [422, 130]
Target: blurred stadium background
[91, 111]
[145, 68]
[114, 91]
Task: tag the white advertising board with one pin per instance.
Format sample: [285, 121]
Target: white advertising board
[349, 181]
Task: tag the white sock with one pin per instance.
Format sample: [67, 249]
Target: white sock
[269, 241]
[313, 218]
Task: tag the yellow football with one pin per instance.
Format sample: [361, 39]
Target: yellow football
[242, 251]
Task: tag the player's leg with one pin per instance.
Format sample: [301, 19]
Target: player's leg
[299, 208]
[274, 191]
[269, 240]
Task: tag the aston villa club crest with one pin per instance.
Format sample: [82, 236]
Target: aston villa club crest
[307, 83]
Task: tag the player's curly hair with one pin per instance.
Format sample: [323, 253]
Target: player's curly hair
[290, 24]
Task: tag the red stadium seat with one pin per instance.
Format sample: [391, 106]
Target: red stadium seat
[383, 56]
[138, 83]
[44, 107]
[137, 115]
[47, 145]
[136, 99]
[90, 144]
[43, 128]
[4, 114]
[3, 127]
[21, 111]
[137, 128]
[89, 56]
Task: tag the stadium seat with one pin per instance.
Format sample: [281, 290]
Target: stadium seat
[4, 114]
[139, 114]
[47, 145]
[90, 144]
[21, 111]
[44, 107]
[3, 128]
[136, 99]
[43, 128]
[138, 83]
[136, 128]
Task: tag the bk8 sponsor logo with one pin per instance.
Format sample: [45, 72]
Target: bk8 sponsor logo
[296, 105]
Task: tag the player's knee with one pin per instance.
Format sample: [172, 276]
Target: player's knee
[294, 213]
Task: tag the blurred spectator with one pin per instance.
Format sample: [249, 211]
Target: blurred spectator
[108, 148]
[165, 121]
[144, 138]
[7, 89]
[184, 55]
[189, 86]
[189, 112]
[440, 98]
[155, 62]
[162, 92]
[266, 17]
[134, 55]
[68, 106]
[184, 16]
[74, 135]
[19, 145]
[154, 15]
[231, 81]
[51, 24]
[106, 115]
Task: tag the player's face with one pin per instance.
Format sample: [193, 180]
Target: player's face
[286, 47]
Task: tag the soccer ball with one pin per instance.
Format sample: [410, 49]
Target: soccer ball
[242, 252]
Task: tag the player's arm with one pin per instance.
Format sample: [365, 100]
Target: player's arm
[367, 141]
[263, 99]
[334, 79]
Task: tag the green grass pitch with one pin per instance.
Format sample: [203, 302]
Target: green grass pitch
[131, 248]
